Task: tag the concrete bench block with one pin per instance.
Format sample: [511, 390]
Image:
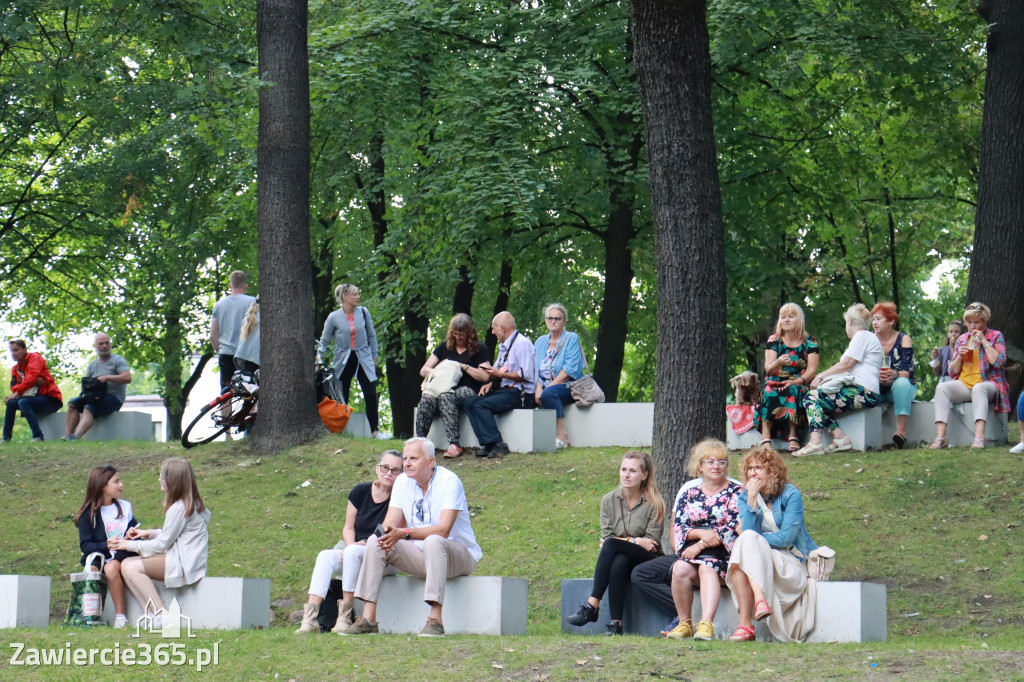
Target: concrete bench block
[864, 427]
[24, 601]
[628, 425]
[359, 426]
[960, 429]
[122, 425]
[845, 612]
[522, 430]
[920, 426]
[473, 605]
[211, 603]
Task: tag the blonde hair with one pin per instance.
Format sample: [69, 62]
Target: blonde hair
[180, 484]
[702, 451]
[858, 315]
[977, 311]
[800, 322]
[648, 487]
[341, 290]
[252, 319]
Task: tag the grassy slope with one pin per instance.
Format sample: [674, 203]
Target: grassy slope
[941, 529]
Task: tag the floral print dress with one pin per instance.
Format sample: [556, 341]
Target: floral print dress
[719, 512]
[781, 406]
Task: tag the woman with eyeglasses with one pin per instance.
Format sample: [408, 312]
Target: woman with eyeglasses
[632, 523]
[559, 361]
[367, 506]
[978, 376]
[767, 574]
[704, 528]
[461, 345]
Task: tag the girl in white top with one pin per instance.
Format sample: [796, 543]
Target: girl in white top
[176, 553]
[102, 517]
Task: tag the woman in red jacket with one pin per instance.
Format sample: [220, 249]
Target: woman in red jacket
[33, 390]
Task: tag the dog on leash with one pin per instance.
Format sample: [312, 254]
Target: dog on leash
[747, 388]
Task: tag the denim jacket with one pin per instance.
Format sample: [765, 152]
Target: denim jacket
[788, 511]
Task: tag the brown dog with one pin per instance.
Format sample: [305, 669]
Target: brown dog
[748, 388]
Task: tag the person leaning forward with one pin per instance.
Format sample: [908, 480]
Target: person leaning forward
[517, 370]
[111, 370]
[427, 533]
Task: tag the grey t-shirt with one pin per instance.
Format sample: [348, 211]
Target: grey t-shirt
[249, 348]
[115, 364]
[230, 313]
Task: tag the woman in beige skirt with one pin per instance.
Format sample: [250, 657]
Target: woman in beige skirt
[767, 574]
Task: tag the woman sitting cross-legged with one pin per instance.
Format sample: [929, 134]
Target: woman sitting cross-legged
[706, 518]
[852, 384]
[979, 377]
[367, 507]
[766, 576]
[896, 378]
[790, 363]
[632, 523]
[461, 345]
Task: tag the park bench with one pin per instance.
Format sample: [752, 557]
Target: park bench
[121, 425]
[473, 605]
[211, 603]
[522, 431]
[24, 601]
[627, 425]
[845, 612]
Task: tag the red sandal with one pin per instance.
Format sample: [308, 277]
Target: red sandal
[743, 634]
[763, 612]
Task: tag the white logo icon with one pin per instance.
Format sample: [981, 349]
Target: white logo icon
[166, 622]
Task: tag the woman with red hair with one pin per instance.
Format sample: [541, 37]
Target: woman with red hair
[896, 378]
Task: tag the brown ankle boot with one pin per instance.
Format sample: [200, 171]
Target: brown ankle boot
[346, 616]
[309, 624]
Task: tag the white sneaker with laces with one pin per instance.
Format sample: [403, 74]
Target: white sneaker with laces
[120, 621]
[1018, 448]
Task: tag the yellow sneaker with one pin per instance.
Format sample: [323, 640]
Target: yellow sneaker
[682, 631]
[705, 630]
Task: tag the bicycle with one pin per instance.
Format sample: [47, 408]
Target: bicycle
[233, 409]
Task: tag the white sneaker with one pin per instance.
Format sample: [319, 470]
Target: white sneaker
[1018, 448]
[120, 621]
[380, 435]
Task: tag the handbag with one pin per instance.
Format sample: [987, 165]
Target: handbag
[88, 590]
[443, 378]
[333, 414]
[28, 392]
[836, 383]
[93, 389]
[585, 391]
[717, 552]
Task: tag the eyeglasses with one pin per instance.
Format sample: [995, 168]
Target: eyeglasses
[385, 469]
[719, 462]
[755, 467]
[549, 318]
[420, 511]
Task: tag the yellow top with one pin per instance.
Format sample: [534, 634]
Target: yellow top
[970, 374]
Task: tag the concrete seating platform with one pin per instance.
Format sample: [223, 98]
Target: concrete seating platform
[864, 427]
[845, 612]
[522, 430]
[122, 425]
[473, 605]
[24, 601]
[211, 603]
[628, 425]
[358, 426]
[960, 429]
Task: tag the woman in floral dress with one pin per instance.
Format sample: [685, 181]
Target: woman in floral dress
[790, 363]
[706, 513]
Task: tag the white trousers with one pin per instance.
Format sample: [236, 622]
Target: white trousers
[330, 562]
[980, 397]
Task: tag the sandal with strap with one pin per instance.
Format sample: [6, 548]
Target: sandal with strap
[939, 444]
[743, 634]
[453, 451]
[978, 443]
[761, 612]
[764, 442]
[794, 444]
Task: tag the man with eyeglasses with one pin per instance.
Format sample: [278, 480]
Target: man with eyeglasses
[427, 533]
[516, 370]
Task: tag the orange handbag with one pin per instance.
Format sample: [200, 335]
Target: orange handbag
[333, 414]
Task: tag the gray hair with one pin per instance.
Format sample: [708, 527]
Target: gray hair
[341, 290]
[858, 315]
[560, 308]
[425, 443]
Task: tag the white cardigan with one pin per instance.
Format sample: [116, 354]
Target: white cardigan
[184, 540]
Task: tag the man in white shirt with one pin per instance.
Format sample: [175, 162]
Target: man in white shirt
[427, 533]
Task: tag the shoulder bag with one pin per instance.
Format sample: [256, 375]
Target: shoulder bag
[585, 391]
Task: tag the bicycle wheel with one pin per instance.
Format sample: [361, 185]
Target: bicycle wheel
[214, 419]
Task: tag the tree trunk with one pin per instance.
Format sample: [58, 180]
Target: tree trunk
[462, 301]
[288, 414]
[997, 276]
[323, 277]
[500, 303]
[170, 368]
[673, 64]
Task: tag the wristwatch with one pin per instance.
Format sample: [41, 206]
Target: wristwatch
[408, 534]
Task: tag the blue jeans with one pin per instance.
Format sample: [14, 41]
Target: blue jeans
[556, 397]
[482, 409]
[109, 404]
[30, 407]
[901, 394]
